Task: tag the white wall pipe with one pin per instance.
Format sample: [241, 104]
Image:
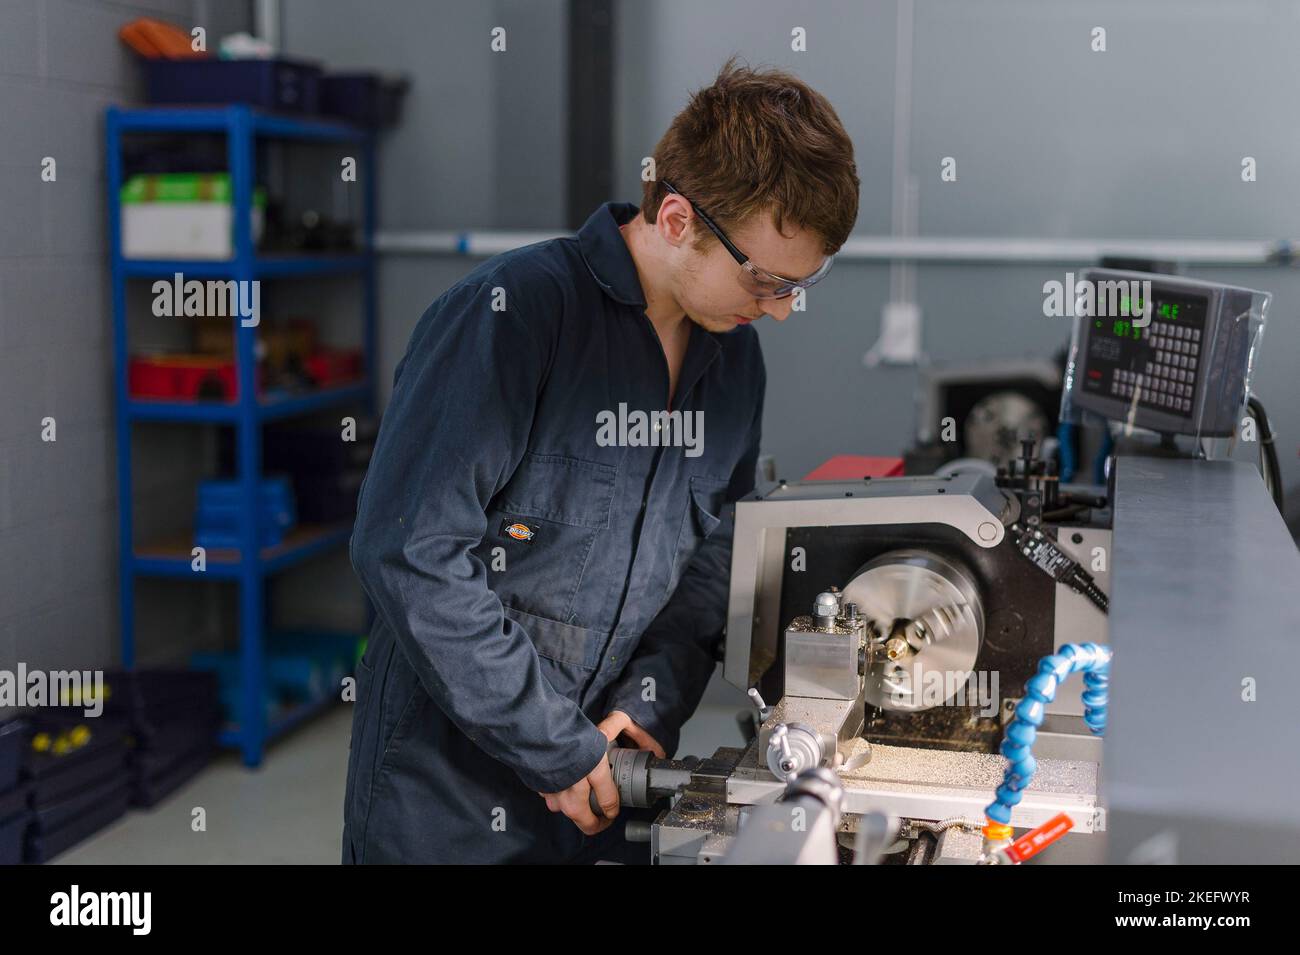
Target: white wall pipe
[267, 22]
[887, 249]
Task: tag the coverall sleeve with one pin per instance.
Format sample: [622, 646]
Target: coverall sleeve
[454, 432]
[676, 650]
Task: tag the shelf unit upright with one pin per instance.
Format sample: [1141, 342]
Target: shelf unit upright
[249, 566]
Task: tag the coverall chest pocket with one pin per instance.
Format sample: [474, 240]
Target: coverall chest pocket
[708, 497]
[546, 520]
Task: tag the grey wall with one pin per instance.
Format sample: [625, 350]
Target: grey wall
[482, 139]
[1051, 140]
[481, 144]
[61, 64]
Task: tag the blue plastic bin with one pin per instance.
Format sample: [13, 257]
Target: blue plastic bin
[280, 84]
[216, 518]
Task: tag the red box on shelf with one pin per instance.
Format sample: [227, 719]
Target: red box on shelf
[334, 366]
[184, 377]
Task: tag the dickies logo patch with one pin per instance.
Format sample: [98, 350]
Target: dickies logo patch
[518, 530]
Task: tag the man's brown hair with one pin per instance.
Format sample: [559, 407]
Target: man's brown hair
[755, 141]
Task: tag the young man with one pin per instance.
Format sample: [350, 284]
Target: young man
[545, 528]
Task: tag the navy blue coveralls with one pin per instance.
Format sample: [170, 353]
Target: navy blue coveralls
[527, 577]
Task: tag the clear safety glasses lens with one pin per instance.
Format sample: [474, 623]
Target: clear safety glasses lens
[761, 284]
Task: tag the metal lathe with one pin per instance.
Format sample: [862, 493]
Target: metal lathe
[930, 657]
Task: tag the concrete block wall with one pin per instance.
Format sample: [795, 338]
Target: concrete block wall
[61, 65]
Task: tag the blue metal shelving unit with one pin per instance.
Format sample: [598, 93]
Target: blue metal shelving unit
[249, 566]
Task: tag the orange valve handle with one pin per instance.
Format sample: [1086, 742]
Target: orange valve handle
[1036, 840]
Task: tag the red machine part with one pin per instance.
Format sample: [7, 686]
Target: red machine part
[855, 467]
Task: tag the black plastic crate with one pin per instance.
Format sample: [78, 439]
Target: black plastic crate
[328, 499]
[291, 86]
[148, 789]
[312, 449]
[365, 99]
[158, 706]
[182, 735]
[55, 777]
[137, 689]
[318, 449]
[42, 846]
[15, 801]
[50, 817]
[12, 831]
[146, 764]
[13, 740]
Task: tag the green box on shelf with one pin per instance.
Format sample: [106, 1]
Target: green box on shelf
[182, 215]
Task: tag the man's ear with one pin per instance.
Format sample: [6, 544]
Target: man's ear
[674, 222]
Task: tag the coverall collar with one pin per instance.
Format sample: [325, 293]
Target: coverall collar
[613, 268]
[607, 255]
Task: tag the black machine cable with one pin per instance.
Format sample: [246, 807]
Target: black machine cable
[1268, 462]
[1039, 546]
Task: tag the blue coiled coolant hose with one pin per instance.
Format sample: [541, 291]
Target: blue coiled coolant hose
[1094, 661]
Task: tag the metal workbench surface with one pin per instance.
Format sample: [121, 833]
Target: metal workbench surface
[1205, 597]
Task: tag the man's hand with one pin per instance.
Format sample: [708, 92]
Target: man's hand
[575, 802]
[619, 722]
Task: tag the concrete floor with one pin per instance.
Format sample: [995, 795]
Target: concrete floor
[290, 811]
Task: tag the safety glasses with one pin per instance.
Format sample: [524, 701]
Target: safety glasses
[759, 283]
